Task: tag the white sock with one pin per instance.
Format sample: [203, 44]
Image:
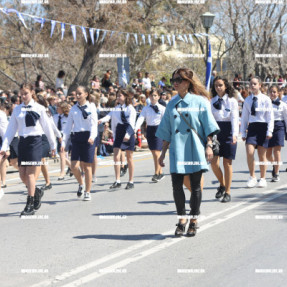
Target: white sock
[118, 181]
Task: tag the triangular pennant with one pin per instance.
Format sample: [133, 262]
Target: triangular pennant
[136, 38]
[180, 38]
[74, 32]
[185, 37]
[84, 33]
[149, 39]
[53, 24]
[162, 39]
[97, 35]
[190, 39]
[62, 30]
[4, 10]
[143, 38]
[113, 32]
[21, 19]
[91, 30]
[168, 38]
[40, 20]
[173, 39]
[127, 37]
[104, 36]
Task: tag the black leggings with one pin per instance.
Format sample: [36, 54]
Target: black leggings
[179, 196]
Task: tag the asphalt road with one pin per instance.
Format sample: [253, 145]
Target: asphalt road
[125, 237]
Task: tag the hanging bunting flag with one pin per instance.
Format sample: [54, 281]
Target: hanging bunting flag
[198, 35]
[40, 20]
[208, 67]
[162, 39]
[127, 37]
[91, 30]
[53, 24]
[173, 39]
[143, 38]
[104, 36]
[149, 39]
[136, 38]
[18, 14]
[84, 33]
[168, 39]
[190, 39]
[203, 34]
[97, 35]
[180, 38]
[4, 10]
[185, 37]
[74, 32]
[62, 30]
[113, 32]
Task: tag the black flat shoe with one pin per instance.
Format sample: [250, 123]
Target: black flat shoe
[130, 185]
[37, 198]
[115, 185]
[226, 198]
[68, 171]
[179, 231]
[61, 178]
[191, 231]
[46, 187]
[80, 190]
[29, 208]
[4, 186]
[220, 192]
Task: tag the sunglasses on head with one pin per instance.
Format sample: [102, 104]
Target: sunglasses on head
[177, 80]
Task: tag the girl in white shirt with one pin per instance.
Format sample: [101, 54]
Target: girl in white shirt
[280, 127]
[123, 122]
[30, 119]
[224, 107]
[153, 115]
[83, 120]
[258, 118]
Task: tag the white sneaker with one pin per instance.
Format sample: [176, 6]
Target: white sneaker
[87, 196]
[1, 193]
[262, 182]
[94, 179]
[252, 182]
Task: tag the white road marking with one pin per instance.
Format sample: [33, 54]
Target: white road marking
[144, 243]
[167, 243]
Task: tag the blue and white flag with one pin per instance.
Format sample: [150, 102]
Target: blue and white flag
[53, 24]
[173, 39]
[91, 30]
[162, 39]
[18, 14]
[62, 30]
[97, 35]
[74, 32]
[168, 38]
[143, 38]
[190, 39]
[41, 21]
[113, 32]
[136, 38]
[208, 68]
[124, 76]
[104, 36]
[127, 37]
[84, 33]
[185, 38]
[149, 39]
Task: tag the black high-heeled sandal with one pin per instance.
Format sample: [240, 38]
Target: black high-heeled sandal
[191, 231]
[179, 231]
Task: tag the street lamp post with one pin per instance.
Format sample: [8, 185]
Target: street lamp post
[207, 21]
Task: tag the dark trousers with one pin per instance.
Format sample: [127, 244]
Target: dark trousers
[179, 196]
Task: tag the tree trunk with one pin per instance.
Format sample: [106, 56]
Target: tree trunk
[87, 66]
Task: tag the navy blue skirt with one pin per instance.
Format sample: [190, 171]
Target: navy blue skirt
[81, 149]
[278, 134]
[1, 142]
[256, 134]
[154, 143]
[30, 150]
[121, 130]
[226, 148]
[14, 148]
[45, 147]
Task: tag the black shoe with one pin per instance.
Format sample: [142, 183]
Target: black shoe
[226, 197]
[160, 177]
[191, 231]
[29, 208]
[122, 172]
[130, 185]
[4, 186]
[46, 187]
[155, 178]
[273, 171]
[80, 190]
[179, 231]
[68, 171]
[116, 185]
[220, 192]
[37, 198]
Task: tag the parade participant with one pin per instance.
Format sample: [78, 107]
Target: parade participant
[60, 121]
[45, 144]
[123, 121]
[30, 119]
[280, 126]
[224, 107]
[153, 115]
[258, 118]
[82, 120]
[186, 123]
